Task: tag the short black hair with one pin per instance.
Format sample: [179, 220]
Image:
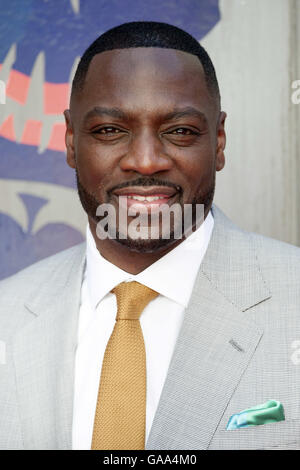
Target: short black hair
[147, 34]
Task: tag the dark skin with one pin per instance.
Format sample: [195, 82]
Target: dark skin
[160, 121]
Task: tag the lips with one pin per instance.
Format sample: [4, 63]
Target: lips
[150, 198]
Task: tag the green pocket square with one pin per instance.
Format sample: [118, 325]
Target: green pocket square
[268, 412]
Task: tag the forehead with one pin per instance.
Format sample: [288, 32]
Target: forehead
[146, 80]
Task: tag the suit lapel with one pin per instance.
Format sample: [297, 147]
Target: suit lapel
[215, 344]
[44, 352]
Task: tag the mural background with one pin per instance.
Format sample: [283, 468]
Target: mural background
[253, 44]
[40, 45]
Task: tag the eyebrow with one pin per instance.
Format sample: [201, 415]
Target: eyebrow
[102, 111]
[185, 112]
[117, 113]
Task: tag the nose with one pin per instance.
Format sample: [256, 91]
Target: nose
[146, 154]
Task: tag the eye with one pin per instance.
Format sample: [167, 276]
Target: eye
[109, 134]
[183, 131]
[107, 130]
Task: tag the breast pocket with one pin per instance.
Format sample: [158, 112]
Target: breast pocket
[280, 435]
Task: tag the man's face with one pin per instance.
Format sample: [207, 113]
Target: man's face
[145, 125]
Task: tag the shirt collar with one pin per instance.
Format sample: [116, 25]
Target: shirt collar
[172, 276]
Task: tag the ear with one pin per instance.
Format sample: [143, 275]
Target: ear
[221, 142]
[69, 140]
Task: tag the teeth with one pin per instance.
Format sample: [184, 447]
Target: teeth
[146, 198]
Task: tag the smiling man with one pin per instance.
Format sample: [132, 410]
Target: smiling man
[136, 339]
[144, 121]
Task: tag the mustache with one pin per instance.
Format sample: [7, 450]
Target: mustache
[141, 181]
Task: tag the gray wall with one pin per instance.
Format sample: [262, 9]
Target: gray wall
[255, 49]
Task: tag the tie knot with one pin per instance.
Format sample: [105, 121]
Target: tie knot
[132, 298]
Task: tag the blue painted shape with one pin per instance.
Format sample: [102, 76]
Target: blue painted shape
[53, 26]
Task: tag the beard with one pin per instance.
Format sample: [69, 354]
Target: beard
[204, 197]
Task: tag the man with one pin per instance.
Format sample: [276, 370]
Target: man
[160, 343]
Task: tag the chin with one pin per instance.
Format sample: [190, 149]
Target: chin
[146, 246]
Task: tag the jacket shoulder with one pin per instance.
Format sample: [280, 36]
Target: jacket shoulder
[276, 259]
[275, 252]
[18, 285]
[279, 261]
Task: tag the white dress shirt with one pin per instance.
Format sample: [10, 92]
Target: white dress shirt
[173, 277]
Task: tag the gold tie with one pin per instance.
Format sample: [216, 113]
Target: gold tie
[120, 416]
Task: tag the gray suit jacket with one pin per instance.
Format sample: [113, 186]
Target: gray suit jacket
[239, 346]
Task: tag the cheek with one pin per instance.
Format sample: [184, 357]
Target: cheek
[93, 164]
[198, 165]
